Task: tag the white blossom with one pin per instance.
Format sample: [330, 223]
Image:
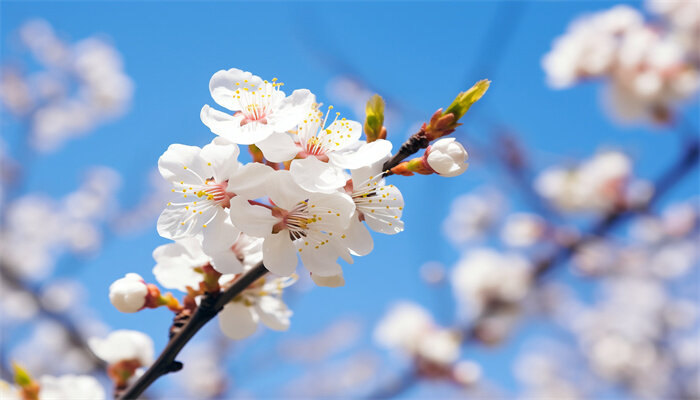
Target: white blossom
[124, 345]
[323, 151]
[261, 108]
[204, 181]
[447, 157]
[259, 302]
[484, 275]
[310, 224]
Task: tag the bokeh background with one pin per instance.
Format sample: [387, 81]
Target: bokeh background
[94, 92]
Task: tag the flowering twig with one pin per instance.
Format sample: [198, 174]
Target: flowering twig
[211, 305]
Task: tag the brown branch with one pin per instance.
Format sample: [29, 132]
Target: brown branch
[211, 305]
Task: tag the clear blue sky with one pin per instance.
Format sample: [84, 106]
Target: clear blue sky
[417, 54]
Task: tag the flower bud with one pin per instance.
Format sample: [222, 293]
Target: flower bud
[374, 120]
[447, 157]
[129, 293]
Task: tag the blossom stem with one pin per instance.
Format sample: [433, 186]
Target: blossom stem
[417, 141]
[210, 306]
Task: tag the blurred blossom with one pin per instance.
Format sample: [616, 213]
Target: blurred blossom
[543, 377]
[79, 87]
[598, 184]
[202, 375]
[16, 305]
[62, 295]
[47, 343]
[58, 388]
[123, 345]
[433, 272]
[484, 278]
[650, 68]
[523, 229]
[14, 92]
[337, 337]
[37, 229]
[337, 379]
[410, 329]
[472, 216]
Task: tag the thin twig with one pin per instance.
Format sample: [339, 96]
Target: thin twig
[211, 305]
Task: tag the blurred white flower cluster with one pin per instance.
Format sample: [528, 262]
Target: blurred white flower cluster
[52, 388]
[650, 66]
[410, 330]
[603, 183]
[38, 229]
[78, 86]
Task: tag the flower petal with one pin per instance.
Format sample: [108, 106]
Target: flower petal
[292, 110]
[316, 176]
[321, 259]
[172, 163]
[329, 281]
[358, 239]
[229, 126]
[223, 85]
[238, 321]
[365, 155]
[221, 156]
[250, 180]
[273, 313]
[253, 220]
[278, 147]
[279, 254]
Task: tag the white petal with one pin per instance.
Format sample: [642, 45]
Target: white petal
[226, 262]
[279, 254]
[238, 321]
[278, 147]
[222, 237]
[221, 157]
[322, 260]
[250, 180]
[341, 135]
[335, 209]
[229, 126]
[223, 85]
[171, 164]
[385, 217]
[317, 176]
[329, 281]
[175, 263]
[177, 222]
[366, 155]
[292, 110]
[253, 220]
[273, 313]
[357, 238]
[283, 191]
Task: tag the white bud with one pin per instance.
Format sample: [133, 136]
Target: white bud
[448, 157]
[128, 294]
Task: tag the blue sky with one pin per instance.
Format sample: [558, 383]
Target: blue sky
[416, 54]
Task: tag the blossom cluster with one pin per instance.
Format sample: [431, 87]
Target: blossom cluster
[313, 192]
[650, 66]
[79, 86]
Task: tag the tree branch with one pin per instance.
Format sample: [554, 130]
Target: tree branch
[211, 304]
